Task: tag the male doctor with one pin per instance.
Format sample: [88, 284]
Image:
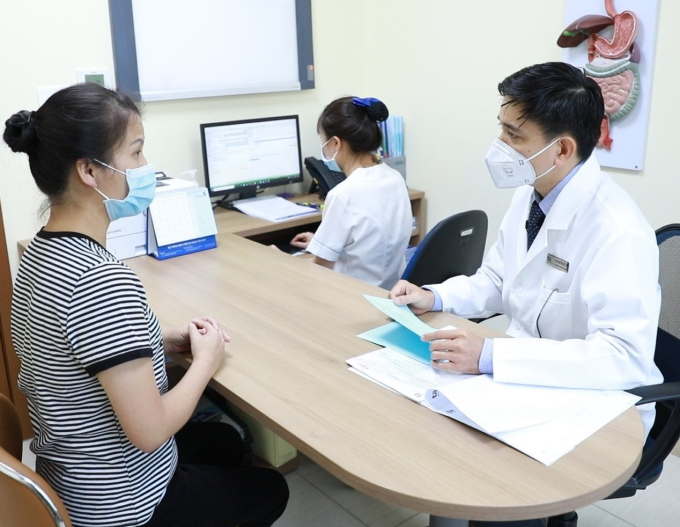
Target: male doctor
[575, 266]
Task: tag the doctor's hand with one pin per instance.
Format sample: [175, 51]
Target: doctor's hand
[302, 240]
[460, 348]
[406, 294]
[176, 340]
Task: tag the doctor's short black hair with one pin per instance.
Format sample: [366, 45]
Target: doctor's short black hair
[560, 99]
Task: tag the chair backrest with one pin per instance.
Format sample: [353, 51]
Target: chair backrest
[453, 247]
[667, 355]
[25, 497]
[666, 429]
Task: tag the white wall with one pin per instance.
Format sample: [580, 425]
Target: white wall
[44, 42]
[437, 62]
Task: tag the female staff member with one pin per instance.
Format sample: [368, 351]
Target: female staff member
[367, 219]
[91, 349]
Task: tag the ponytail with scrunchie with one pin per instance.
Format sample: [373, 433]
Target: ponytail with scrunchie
[375, 108]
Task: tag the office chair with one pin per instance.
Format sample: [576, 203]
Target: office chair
[455, 246]
[25, 497]
[666, 430]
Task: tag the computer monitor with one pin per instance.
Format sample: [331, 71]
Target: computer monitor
[248, 155]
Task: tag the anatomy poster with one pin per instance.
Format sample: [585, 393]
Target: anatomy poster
[614, 42]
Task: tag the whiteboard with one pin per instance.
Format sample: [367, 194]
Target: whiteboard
[176, 49]
[629, 133]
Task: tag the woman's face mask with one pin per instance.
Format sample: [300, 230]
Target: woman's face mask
[142, 184]
[331, 163]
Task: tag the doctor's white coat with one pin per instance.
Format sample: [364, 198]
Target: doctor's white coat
[598, 319]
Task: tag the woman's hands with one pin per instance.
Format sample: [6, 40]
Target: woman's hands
[176, 340]
[148, 417]
[207, 342]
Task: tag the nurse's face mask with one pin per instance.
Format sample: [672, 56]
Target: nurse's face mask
[142, 184]
[509, 168]
[331, 163]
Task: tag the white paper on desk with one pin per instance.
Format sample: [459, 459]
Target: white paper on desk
[500, 407]
[403, 374]
[549, 441]
[401, 314]
[362, 374]
[272, 208]
[500, 413]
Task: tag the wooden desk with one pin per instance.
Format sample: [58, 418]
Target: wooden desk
[229, 221]
[293, 324]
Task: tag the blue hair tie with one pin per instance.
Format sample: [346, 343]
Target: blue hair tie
[368, 101]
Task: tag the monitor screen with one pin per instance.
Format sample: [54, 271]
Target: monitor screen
[244, 156]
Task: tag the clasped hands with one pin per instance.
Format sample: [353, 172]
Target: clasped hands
[182, 338]
[460, 349]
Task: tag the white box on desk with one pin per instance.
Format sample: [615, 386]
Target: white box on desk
[126, 237]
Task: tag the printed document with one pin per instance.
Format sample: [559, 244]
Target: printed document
[543, 422]
[272, 208]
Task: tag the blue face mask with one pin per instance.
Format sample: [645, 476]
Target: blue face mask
[331, 163]
[142, 184]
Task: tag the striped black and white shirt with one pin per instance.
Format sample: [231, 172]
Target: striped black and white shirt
[77, 311]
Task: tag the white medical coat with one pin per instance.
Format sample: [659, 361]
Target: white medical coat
[599, 325]
[366, 226]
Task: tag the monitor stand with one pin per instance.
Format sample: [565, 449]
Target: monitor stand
[247, 194]
[241, 195]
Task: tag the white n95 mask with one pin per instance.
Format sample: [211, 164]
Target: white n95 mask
[509, 168]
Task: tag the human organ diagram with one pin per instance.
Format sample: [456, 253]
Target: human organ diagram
[612, 63]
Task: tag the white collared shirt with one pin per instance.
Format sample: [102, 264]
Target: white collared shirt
[366, 226]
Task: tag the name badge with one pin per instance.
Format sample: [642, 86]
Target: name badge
[558, 263]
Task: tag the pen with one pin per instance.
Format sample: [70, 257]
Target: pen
[313, 205]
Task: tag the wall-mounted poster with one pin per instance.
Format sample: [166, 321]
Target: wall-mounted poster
[614, 42]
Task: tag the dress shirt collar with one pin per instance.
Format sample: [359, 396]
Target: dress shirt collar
[547, 202]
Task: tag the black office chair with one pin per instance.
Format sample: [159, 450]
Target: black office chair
[666, 430]
[455, 246]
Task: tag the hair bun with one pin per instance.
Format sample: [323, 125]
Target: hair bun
[20, 131]
[375, 108]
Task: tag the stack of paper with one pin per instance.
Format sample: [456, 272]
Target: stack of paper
[272, 208]
[543, 422]
[402, 374]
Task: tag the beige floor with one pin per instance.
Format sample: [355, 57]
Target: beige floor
[320, 500]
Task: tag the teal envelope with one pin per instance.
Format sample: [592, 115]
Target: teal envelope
[397, 337]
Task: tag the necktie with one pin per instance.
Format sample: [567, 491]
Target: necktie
[534, 223]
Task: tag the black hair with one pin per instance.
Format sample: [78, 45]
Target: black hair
[355, 121]
[560, 99]
[84, 121]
